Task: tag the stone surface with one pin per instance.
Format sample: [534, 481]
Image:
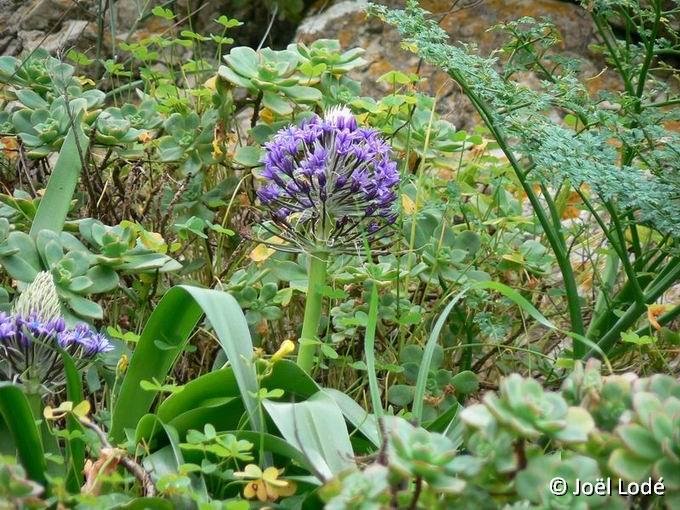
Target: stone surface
[347, 22]
[24, 24]
[72, 33]
[62, 24]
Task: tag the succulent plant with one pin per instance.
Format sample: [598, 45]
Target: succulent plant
[430, 139]
[114, 128]
[651, 438]
[43, 130]
[273, 74]
[188, 140]
[78, 272]
[51, 98]
[126, 247]
[534, 483]
[142, 116]
[327, 55]
[528, 411]
[413, 452]
[358, 490]
[495, 449]
[36, 72]
[259, 305]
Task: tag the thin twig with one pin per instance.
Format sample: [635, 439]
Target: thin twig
[136, 470]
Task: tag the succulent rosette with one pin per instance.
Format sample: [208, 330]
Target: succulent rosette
[33, 336]
[329, 183]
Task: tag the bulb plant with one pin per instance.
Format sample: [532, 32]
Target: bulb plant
[330, 185]
[34, 335]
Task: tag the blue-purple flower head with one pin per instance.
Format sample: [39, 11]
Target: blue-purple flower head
[329, 182]
[30, 348]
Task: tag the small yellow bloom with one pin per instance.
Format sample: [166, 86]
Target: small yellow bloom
[145, 137]
[122, 365]
[287, 347]
[56, 413]
[267, 115]
[262, 252]
[408, 204]
[265, 485]
[217, 149]
[211, 83]
[83, 80]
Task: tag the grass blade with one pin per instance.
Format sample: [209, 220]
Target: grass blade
[424, 370]
[369, 350]
[75, 447]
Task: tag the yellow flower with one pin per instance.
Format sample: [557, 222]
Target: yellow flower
[122, 365]
[287, 347]
[216, 148]
[211, 83]
[265, 485]
[83, 80]
[267, 115]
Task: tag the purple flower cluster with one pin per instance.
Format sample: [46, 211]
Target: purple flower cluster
[28, 348]
[329, 182]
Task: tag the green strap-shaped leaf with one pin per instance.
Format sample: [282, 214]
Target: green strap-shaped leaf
[56, 201]
[164, 337]
[19, 419]
[317, 429]
[168, 459]
[424, 370]
[75, 447]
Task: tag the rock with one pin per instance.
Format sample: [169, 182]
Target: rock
[348, 22]
[72, 32]
[25, 23]
[47, 14]
[58, 24]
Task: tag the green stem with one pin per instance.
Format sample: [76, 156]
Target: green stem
[655, 289]
[603, 303]
[552, 231]
[318, 267]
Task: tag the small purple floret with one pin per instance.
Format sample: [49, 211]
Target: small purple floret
[29, 347]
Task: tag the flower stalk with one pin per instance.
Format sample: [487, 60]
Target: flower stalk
[330, 186]
[318, 269]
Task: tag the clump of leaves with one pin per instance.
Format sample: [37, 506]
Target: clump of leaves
[529, 411]
[270, 75]
[443, 388]
[79, 272]
[651, 439]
